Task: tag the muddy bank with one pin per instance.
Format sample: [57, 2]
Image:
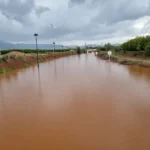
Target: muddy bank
[125, 61]
[17, 60]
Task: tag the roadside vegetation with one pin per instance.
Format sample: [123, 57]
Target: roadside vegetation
[16, 59]
[133, 52]
[139, 46]
[28, 51]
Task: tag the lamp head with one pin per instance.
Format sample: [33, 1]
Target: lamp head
[35, 34]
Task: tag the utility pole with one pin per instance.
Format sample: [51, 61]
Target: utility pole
[53, 39]
[62, 48]
[36, 35]
[54, 48]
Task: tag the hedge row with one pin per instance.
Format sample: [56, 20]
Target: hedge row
[138, 44]
[27, 51]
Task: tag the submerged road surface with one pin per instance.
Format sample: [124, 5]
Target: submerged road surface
[75, 103]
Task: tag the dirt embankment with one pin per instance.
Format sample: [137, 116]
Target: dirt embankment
[126, 60]
[16, 60]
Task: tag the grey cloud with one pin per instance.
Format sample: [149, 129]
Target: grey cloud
[88, 20]
[112, 11]
[90, 31]
[16, 9]
[116, 11]
[76, 2]
[20, 10]
[41, 9]
[59, 32]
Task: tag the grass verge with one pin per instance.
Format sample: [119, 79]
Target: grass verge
[17, 60]
[4, 70]
[126, 60]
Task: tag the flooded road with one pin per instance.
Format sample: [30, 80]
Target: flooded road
[75, 103]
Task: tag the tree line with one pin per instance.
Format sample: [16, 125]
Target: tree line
[28, 51]
[138, 44]
[109, 46]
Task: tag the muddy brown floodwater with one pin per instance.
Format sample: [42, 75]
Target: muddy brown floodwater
[75, 103]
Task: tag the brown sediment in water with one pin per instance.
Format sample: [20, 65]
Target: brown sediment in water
[78, 102]
[16, 60]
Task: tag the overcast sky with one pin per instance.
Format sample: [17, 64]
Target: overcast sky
[75, 21]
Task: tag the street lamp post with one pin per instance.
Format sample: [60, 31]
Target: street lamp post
[85, 47]
[36, 35]
[54, 47]
[62, 48]
[53, 40]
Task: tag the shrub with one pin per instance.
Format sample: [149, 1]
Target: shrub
[147, 50]
[4, 70]
[78, 50]
[136, 44]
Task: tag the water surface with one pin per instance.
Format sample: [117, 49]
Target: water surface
[75, 103]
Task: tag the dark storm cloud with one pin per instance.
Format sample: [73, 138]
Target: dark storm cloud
[20, 9]
[84, 20]
[16, 9]
[115, 11]
[112, 11]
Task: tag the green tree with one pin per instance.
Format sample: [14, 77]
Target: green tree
[108, 46]
[147, 49]
[78, 50]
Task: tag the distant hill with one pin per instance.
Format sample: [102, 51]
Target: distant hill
[6, 45]
[40, 46]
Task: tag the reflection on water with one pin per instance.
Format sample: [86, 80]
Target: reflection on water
[75, 103]
[1, 96]
[55, 69]
[139, 72]
[79, 58]
[39, 83]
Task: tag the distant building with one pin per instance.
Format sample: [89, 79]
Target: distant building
[91, 50]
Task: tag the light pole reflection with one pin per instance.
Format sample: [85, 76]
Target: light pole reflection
[39, 83]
